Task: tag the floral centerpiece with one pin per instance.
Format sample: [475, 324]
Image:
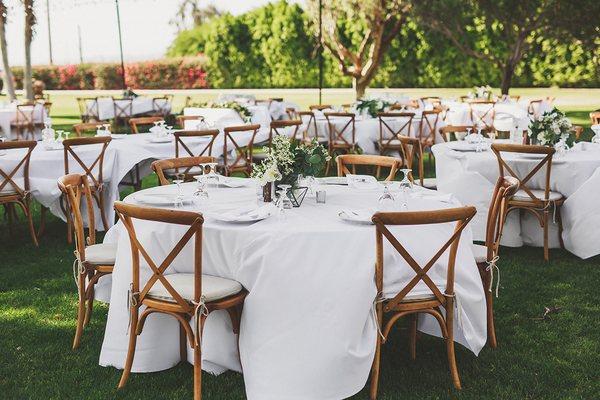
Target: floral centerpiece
[371, 106]
[288, 159]
[481, 92]
[243, 111]
[551, 128]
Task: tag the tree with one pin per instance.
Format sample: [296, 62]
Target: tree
[501, 32]
[7, 75]
[192, 10]
[30, 22]
[358, 33]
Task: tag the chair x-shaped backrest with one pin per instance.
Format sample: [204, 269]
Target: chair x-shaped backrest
[499, 148]
[70, 145]
[162, 105]
[206, 150]
[482, 113]
[277, 128]
[25, 113]
[243, 152]
[194, 220]
[505, 188]
[336, 134]
[76, 187]
[461, 216]
[428, 125]
[7, 178]
[123, 108]
[88, 107]
[389, 133]
[308, 121]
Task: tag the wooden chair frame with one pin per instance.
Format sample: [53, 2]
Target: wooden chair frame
[182, 118]
[179, 308]
[445, 131]
[162, 105]
[320, 107]
[243, 160]
[308, 122]
[506, 187]
[75, 188]
[427, 124]
[135, 122]
[337, 141]
[540, 208]
[83, 127]
[207, 150]
[123, 109]
[398, 306]
[277, 126]
[24, 121]
[389, 144]
[478, 117]
[21, 195]
[344, 160]
[184, 163]
[86, 111]
[97, 182]
[412, 149]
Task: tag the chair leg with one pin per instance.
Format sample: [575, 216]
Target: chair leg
[131, 348]
[182, 343]
[100, 201]
[198, 363]
[89, 303]
[413, 336]
[375, 368]
[42, 221]
[80, 310]
[560, 227]
[27, 211]
[10, 215]
[486, 278]
[450, 343]
[545, 227]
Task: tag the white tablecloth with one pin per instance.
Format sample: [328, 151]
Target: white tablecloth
[471, 177]
[8, 114]
[139, 106]
[222, 117]
[307, 328]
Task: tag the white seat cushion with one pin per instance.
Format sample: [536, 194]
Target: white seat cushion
[429, 183]
[480, 253]
[213, 287]
[393, 142]
[101, 253]
[9, 188]
[195, 170]
[523, 196]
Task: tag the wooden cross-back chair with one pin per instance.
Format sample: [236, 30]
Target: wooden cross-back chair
[137, 122]
[428, 127]
[595, 117]
[320, 107]
[182, 118]
[344, 138]
[162, 105]
[482, 114]
[123, 110]
[412, 151]
[86, 127]
[242, 152]
[92, 260]
[183, 296]
[407, 303]
[278, 128]
[206, 150]
[539, 202]
[188, 166]
[391, 125]
[436, 101]
[309, 122]
[96, 179]
[345, 160]
[14, 185]
[23, 123]
[447, 130]
[486, 256]
[291, 113]
[88, 109]
[534, 108]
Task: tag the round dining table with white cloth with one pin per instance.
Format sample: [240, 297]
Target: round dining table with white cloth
[228, 116]
[308, 328]
[8, 114]
[367, 129]
[140, 105]
[121, 155]
[471, 177]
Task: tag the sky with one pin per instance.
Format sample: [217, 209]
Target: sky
[145, 25]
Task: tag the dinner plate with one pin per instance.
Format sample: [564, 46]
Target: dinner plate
[160, 199]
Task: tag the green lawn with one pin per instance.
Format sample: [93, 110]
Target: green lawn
[551, 358]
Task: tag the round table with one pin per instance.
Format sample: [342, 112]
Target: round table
[308, 330]
[471, 176]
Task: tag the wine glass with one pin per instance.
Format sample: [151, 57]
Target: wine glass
[406, 186]
[211, 176]
[67, 133]
[106, 129]
[386, 200]
[596, 129]
[285, 200]
[281, 201]
[178, 181]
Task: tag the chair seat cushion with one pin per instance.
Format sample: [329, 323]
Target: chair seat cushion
[195, 170]
[213, 287]
[522, 195]
[429, 183]
[480, 253]
[389, 143]
[9, 188]
[101, 253]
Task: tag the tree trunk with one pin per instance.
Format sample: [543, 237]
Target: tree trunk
[27, 75]
[507, 75]
[7, 76]
[360, 85]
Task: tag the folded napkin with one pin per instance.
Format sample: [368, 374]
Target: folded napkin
[234, 182]
[358, 215]
[430, 195]
[365, 182]
[247, 213]
[332, 180]
[157, 198]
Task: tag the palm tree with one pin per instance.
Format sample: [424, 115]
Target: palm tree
[29, 25]
[7, 76]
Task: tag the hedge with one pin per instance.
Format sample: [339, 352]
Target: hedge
[173, 73]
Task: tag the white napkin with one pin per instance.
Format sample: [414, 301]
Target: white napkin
[358, 215]
[429, 195]
[234, 182]
[364, 182]
[157, 198]
[332, 180]
[247, 213]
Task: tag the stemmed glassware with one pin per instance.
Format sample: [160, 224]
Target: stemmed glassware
[178, 181]
[106, 129]
[283, 201]
[201, 189]
[212, 176]
[406, 186]
[596, 130]
[386, 200]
